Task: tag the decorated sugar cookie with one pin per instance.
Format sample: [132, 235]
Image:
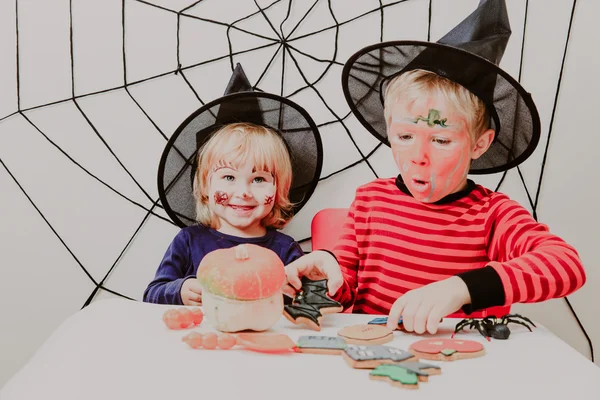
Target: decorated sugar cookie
[260, 342]
[358, 356]
[383, 321]
[422, 370]
[182, 317]
[396, 374]
[406, 374]
[266, 342]
[321, 344]
[310, 304]
[446, 349]
[366, 334]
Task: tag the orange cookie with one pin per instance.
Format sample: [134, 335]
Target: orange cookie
[366, 334]
[266, 342]
[446, 349]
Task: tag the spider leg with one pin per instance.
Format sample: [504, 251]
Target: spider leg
[508, 320]
[461, 325]
[511, 316]
[480, 329]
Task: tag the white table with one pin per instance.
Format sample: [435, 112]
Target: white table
[120, 349]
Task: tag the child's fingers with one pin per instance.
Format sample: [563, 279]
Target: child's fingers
[408, 314]
[434, 319]
[395, 312]
[288, 290]
[194, 297]
[195, 303]
[421, 317]
[293, 271]
[335, 280]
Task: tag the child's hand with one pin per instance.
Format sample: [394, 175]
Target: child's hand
[423, 308]
[315, 266]
[191, 292]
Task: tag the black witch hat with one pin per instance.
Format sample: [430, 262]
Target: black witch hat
[468, 55]
[240, 103]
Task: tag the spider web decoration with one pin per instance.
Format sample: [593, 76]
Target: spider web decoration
[173, 57]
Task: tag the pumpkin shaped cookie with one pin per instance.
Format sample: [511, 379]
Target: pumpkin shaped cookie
[446, 349]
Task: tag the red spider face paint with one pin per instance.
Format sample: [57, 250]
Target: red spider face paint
[269, 199]
[241, 197]
[221, 197]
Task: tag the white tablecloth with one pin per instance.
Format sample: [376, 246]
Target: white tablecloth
[120, 349]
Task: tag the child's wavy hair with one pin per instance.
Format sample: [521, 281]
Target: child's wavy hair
[413, 84]
[235, 143]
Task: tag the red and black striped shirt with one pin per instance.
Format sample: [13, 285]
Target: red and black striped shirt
[392, 243]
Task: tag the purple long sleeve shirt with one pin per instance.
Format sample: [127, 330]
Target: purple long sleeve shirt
[189, 247]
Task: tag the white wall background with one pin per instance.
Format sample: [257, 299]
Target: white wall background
[78, 176]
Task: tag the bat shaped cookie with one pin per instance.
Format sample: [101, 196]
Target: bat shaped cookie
[310, 304]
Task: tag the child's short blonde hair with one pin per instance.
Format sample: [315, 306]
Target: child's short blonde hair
[418, 82]
[235, 143]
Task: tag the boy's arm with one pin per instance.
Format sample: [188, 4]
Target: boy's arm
[346, 254]
[529, 264]
[165, 288]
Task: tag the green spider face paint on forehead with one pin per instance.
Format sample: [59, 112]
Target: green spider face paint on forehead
[433, 118]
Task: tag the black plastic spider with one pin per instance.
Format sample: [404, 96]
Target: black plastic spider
[492, 326]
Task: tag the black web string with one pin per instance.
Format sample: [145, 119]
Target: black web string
[539, 187]
[533, 203]
[285, 45]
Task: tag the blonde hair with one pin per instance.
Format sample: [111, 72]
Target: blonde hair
[415, 83]
[236, 143]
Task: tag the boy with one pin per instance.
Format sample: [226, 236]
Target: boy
[431, 241]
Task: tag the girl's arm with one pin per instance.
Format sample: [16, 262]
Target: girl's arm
[165, 288]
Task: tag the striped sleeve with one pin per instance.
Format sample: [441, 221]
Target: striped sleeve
[533, 264]
[346, 253]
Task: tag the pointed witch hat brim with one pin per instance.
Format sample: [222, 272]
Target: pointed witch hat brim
[468, 55]
[240, 103]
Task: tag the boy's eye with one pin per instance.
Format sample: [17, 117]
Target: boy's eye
[441, 141]
[404, 136]
[229, 178]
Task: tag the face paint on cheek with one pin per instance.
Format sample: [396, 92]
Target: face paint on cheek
[431, 188]
[221, 197]
[453, 172]
[399, 164]
[269, 199]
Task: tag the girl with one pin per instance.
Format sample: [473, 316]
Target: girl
[241, 188]
[259, 161]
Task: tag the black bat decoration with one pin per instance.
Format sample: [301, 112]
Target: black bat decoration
[311, 302]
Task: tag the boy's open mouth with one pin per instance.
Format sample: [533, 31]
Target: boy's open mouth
[420, 185]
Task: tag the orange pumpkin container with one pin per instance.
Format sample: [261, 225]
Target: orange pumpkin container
[241, 288]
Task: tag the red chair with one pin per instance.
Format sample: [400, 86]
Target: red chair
[326, 228]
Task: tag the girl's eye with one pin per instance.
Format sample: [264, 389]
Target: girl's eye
[229, 178]
[259, 179]
[404, 137]
[441, 141]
